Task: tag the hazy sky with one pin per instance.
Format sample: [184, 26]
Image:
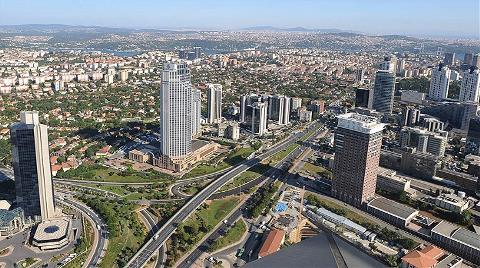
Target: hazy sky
[413, 17]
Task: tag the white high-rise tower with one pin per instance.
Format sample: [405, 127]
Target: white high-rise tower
[176, 111]
[469, 90]
[439, 83]
[214, 103]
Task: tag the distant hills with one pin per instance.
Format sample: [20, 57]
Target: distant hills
[56, 28]
[296, 29]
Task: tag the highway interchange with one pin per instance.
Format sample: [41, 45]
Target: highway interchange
[153, 244]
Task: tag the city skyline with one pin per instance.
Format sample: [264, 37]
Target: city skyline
[356, 16]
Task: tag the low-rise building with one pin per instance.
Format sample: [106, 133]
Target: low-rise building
[321, 214]
[429, 257]
[53, 234]
[273, 243]
[391, 211]
[457, 240]
[141, 156]
[451, 202]
[388, 179]
[11, 221]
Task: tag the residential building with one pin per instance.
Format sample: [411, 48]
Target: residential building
[430, 257]
[469, 89]
[318, 106]
[233, 131]
[389, 64]
[423, 140]
[196, 112]
[296, 103]
[304, 115]
[410, 116]
[451, 202]
[214, 103]
[358, 140]
[31, 166]
[439, 83]
[383, 91]
[449, 58]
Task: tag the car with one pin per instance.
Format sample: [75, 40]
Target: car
[240, 252]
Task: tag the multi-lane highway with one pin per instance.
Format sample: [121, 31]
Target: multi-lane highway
[152, 222]
[101, 232]
[152, 245]
[270, 176]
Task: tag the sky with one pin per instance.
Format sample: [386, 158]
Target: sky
[449, 18]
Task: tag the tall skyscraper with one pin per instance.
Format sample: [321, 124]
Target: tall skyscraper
[214, 103]
[31, 165]
[449, 58]
[279, 109]
[362, 97]
[439, 83]
[358, 140]
[400, 66]
[196, 112]
[389, 63]
[359, 75]
[175, 111]
[469, 89]
[467, 59]
[198, 52]
[383, 91]
[476, 60]
[256, 117]
[295, 104]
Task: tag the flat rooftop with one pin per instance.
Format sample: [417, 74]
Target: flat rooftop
[391, 207]
[360, 123]
[458, 233]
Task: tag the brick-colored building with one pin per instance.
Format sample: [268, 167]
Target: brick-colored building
[358, 140]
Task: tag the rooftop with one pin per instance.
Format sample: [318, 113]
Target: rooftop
[392, 207]
[360, 123]
[458, 233]
[273, 242]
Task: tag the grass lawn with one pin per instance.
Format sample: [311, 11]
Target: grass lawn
[127, 233]
[237, 156]
[249, 175]
[27, 262]
[101, 173]
[120, 190]
[274, 159]
[233, 235]
[191, 231]
[314, 169]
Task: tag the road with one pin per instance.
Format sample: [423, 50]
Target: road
[101, 232]
[271, 175]
[152, 222]
[152, 245]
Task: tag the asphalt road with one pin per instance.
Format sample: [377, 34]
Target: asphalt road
[102, 233]
[162, 256]
[152, 245]
[270, 175]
